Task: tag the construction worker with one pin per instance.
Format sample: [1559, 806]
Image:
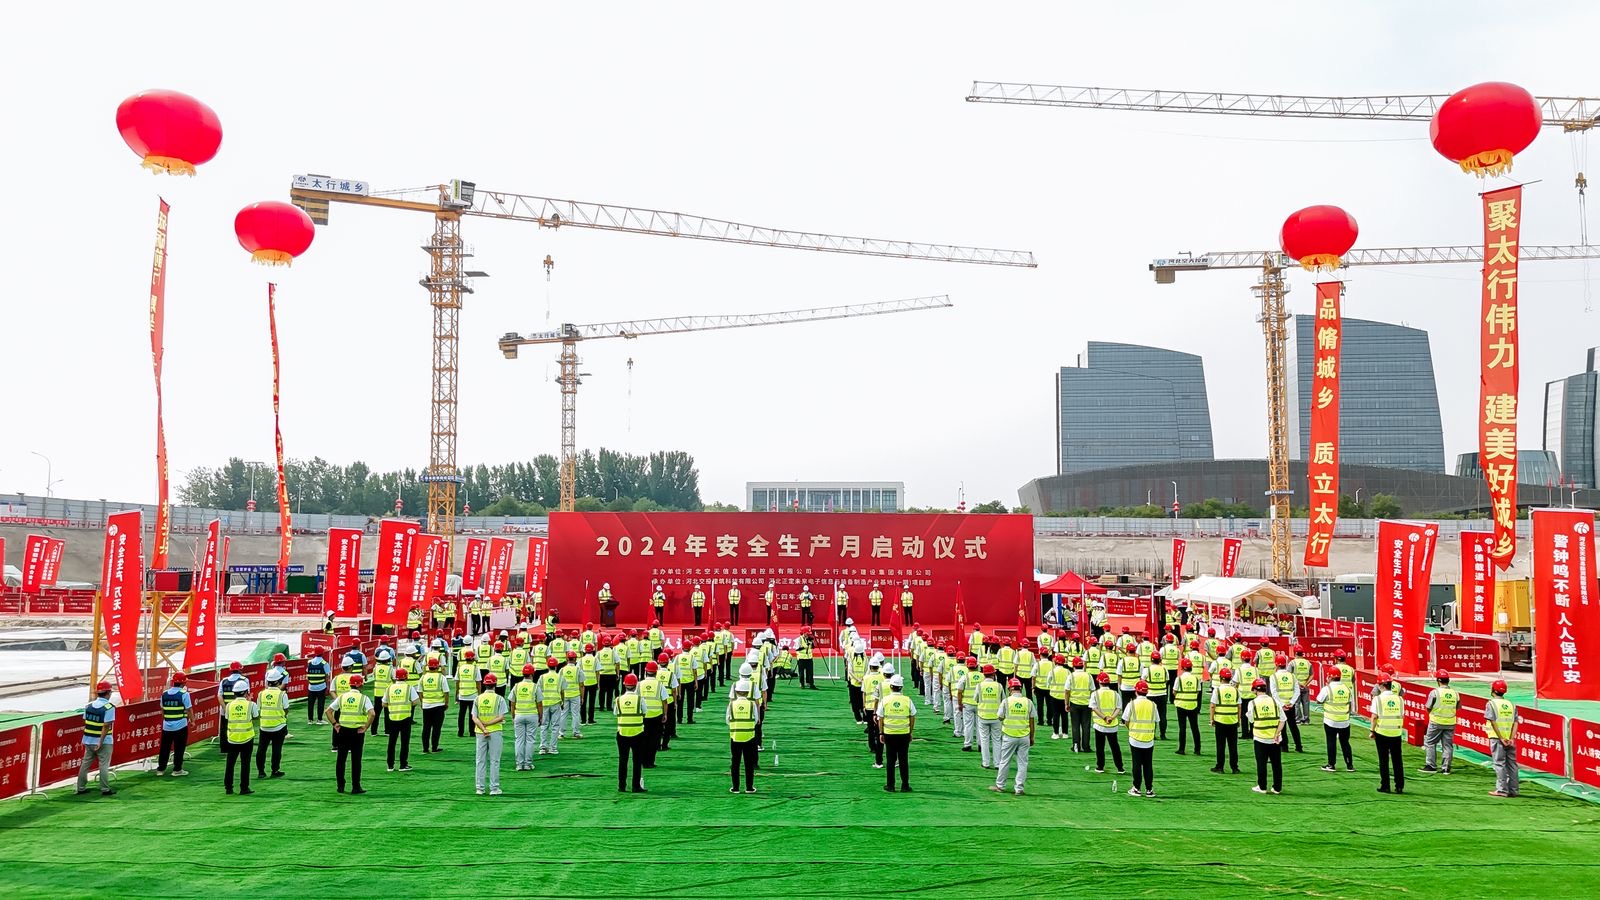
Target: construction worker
[897, 720]
[806, 618]
[855, 669]
[629, 710]
[1266, 730]
[1287, 690]
[1079, 688]
[989, 696]
[349, 668]
[551, 708]
[1347, 674]
[1027, 667]
[606, 667]
[1016, 737]
[1130, 670]
[466, 689]
[1267, 662]
[382, 677]
[1224, 717]
[658, 602]
[1442, 703]
[1106, 711]
[742, 716]
[1186, 699]
[873, 689]
[1388, 716]
[734, 596]
[239, 716]
[99, 716]
[572, 696]
[667, 673]
[399, 705]
[350, 715]
[175, 706]
[771, 598]
[1141, 717]
[1156, 687]
[1500, 721]
[1337, 700]
[1052, 712]
[317, 673]
[652, 697]
[273, 711]
[906, 599]
[496, 666]
[698, 601]
[604, 597]
[841, 603]
[589, 670]
[803, 654]
[434, 690]
[488, 722]
[875, 597]
[1301, 669]
[327, 622]
[526, 704]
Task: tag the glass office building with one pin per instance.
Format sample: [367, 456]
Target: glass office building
[1388, 402]
[1572, 422]
[1125, 404]
[1534, 467]
[824, 496]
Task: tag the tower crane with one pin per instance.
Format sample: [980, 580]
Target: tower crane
[1571, 114]
[568, 336]
[448, 278]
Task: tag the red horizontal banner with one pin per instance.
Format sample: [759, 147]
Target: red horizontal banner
[1541, 740]
[16, 758]
[1585, 751]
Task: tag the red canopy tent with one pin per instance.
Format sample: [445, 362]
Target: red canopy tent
[1071, 583]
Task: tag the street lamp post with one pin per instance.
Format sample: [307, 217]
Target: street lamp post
[49, 482]
[1174, 499]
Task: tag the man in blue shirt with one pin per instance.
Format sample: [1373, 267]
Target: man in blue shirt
[98, 718]
[175, 706]
[317, 674]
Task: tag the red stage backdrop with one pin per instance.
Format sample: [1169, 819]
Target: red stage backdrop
[1476, 606]
[472, 565]
[1405, 563]
[1566, 623]
[1230, 556]
[989, 555]
[1497, 390]
[1322, 468]
[341, 586]
[201, 647]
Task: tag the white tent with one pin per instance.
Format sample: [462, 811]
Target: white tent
[1257, 594]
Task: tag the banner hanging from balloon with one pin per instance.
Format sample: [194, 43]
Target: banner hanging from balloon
[1497, 392]
[1322, 463]
[158, 317]
[285, 522]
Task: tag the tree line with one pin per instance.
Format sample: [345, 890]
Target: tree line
[607, 480]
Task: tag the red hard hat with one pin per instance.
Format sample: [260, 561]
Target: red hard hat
[399, 674]
[1211, 632]
[1259, 684]
[469, 654]
[499, 647]
[663, 658]
[357, 681]
[655, 623]
[1059, 659]
[103, 687]
[650, 667]
[1141, 688]
[1077, 662]
[279, 657]
[630, 680]
[988, 670]
[516, 640]
[1194, 645]
[1335, 673]
[1185, 663]
[588, 648]
[972, 662]
[1441, 675]
[527, 668]
[1104, 678]
[1282, 659]
[1155, 657]
[551, 662]
[1013, 683]
[179, 678]
[1499, 687]
[433, 664]
[235, 666]
[1225, 674]
[489, 678]
[572, 654]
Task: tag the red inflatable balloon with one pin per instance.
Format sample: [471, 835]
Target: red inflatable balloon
[273, 231]
[173, 132]
[1318, 236]
[1482, 127]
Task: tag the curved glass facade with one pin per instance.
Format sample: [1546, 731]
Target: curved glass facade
[1388, 402]
[1572, 423]
[1534, 467]
[1129, 404]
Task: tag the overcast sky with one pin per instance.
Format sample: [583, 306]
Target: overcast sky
[845, 118]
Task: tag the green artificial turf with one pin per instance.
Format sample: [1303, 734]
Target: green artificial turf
[820, 826]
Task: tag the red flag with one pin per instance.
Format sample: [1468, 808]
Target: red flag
[1084, 628]
[1230, 556]
[539, 564]
[122, 596]
[1476, 606]
[961, 614]
[1322, 462]
[341, 585]
[41, 558]
[158, 316]
[1153, 619]
[1178, 547]
[1022, 609]
[397, 539]
[1565, 600]
[498, 574]
[1499, 381]
[285, 524]
[201, 647]
[472, 566]
[1405, 563]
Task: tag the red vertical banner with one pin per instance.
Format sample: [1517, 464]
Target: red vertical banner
[1230, 556]
[391, 591]
[1022, 608]
[1322, 462]
[429, 564]
[341, 583]
[122, 596]
[1405, 564]
[51, 570]
[33, 556]
[285, 523]
[201, 647]
[1476, 603]
[472, 565]
[538, 563]
[498, 573]
[158, 318]
[1178, 548]
[441, 569]
[961, 613]
[1497, 391]
[1566, 622]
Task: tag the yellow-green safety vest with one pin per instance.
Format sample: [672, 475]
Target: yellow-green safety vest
[1079, 687]
[432, 687]
[1444, 707]
[742, 712]
[1337, 707]
[1142, 720]
[1157, 680]
[525, 698]
[1104, 705]
[273, 715]
[1391, 718]
[989, 694]
[1017, 720]
[630, 715]
[1186, 691]
[1264, 718]
[352, 709]
[486, 708]
[1505, 719]
[896, 714]
[1226, 711]
[397, 700]
[241, 730]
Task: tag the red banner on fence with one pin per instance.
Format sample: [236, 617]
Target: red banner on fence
[1461, 654]
[1322, 458]
[41, 562]
[1585, 751]
[122, 587]
[16, 757]
[1566, 608]
[1405, 561]
[1470, 724]
[1497, 391]
[538, 564]
[391, 590]
[988, 555]
[61, 748]
[497, 574]
[201, 647]
[158, 317]
[341, 584]
[1476, 603]
[1178, 548]
[1230, 556]
[472, 565]
[1542, 740]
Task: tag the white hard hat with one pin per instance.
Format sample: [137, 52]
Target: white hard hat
[746, 670]
[806, 587]
[751, 656]
[697, 587]
[897, 681]
[859, 647]
[849, 621]
[658, 587]
[606, 586]
[877, 659]
[888, 669]
[741, 686]
[347, 662]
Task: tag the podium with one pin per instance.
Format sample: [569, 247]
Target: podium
[608, 614]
